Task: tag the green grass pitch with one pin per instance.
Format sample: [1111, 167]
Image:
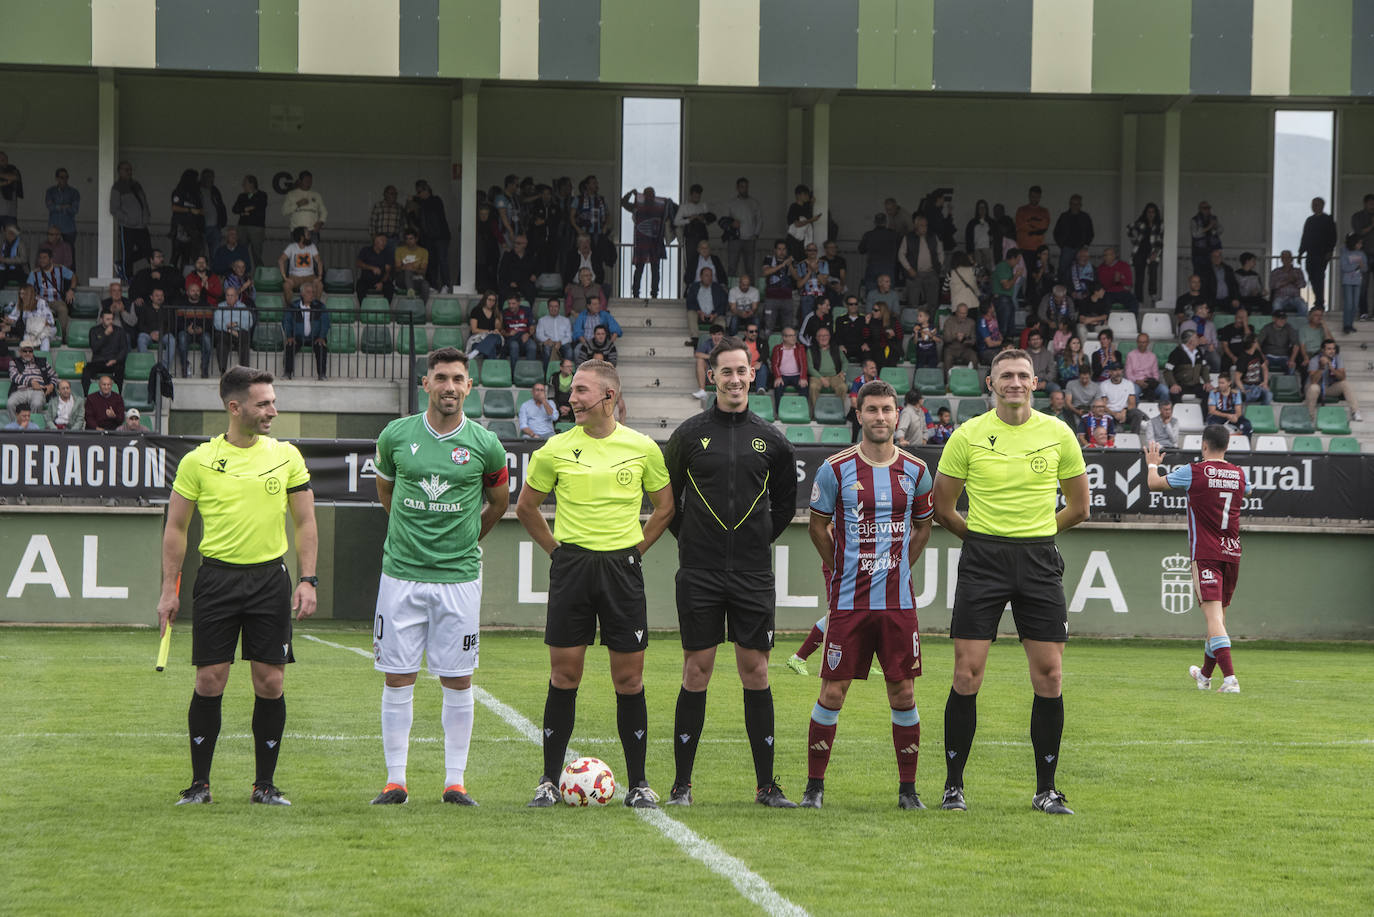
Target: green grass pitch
[1187, 802]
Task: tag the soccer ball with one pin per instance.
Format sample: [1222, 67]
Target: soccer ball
[587, 782]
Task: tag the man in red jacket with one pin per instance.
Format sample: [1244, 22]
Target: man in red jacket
[104, 407]
[1118, 281]
[787, 365]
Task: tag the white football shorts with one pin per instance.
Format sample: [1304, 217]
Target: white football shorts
[436, 620]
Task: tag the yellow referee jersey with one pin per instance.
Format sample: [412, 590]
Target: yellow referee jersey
[599, 485]
[242, 494]
[1012, 473]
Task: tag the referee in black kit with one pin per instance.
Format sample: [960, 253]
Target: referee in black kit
[735, 484]
[243, 482]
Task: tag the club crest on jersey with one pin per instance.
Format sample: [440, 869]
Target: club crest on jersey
[833, 655]
[460, 455]
[906, 484]
[815, 492]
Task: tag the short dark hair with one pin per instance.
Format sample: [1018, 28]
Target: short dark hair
[447, 355]
[913, 396]
[1216, 436]
[725, 346]
[695, 189]
[715, 328]
[252, 180]
[876, 389]
[236, 381]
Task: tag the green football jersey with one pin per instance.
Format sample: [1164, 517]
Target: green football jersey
[436, 506]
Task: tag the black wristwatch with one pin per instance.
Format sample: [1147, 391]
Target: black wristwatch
[312, 580]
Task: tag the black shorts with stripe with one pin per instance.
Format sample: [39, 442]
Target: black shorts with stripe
[249, 599]
[1027, 572]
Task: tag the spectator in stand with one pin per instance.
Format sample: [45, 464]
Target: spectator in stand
[591, 318]
[880, 245]
[989, 334]
[585, 292]
[387, 218]
[885, 336]
[32, 381]
[1058, 407]
[303, 205]
[410, 265]
[1147, 247]
[251, 207]
[921, 256]
[23, 421]
[67, 411]
[940, 433]
[741, 251]
[883, 291]
[56, 285]
[517, 273]
[707, 343]
[778, 308]
[959, 334]
[706, 300]
[853, 333]
[188, 219]
[1185, 304]
[588, 213]
[1042, 275]
[869, 374]
[978, 238]
[648, 212]
[215, 216]
[1067, 331]
[1102, 439]
[1326, 381]
[1226, 406]
[821, 318]
[1186, 372]
[104, 406]
[1080, 392]
[427, 212]
[562, 389]
[1231, 339]
[1286, 282]
[1142, 371]
[1164, 428]
[11, 190]
[1312, 333]
[1007, 278]
[63, 204]
[1354, 269]
[132, 422]
[1362, 223]
[1004, 231]
[690, 225]
[374, 264]
[839, 268]
[59, 248]
[1072, 231]
[1117, 280]
[31, 319]
[1251, 372]
[787, 366]
[157, 275]
[194, 324]
[758, 356]
[801, 229]
[583, 258]
[1206, 330]
[517, 326]
[811, 276]
[1093, 311]
[1250, 286]
[240, 279]
[553, 333]
[826, 367]
[129, 207]
[1032, 222]
[231, 249]
[895, 217]
[963, 282]
[484, 329]
[1281, 344]
[1121, 398]
[1042, 362]
[743, 302]
[1317, 245]
[537, 416]
[925, 343]
[1220, 287]
[1082, 275]
[299, 262]
[704, 261]
[109, 345]
[1097, 419]
[233, 323]
[211, 286]
[1071, 362]
[1206, 232]
[14, 257]
[155, 327]
[125, 315]
[600, 347]
[912, 421]
[306, 324]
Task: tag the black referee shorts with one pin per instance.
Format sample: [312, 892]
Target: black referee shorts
[713, 606]
[587, 587]
[254, 599]
[1027, 572]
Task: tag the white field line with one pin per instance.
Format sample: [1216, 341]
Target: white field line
[747, 882]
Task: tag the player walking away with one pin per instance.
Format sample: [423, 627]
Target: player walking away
[797, 661]
[735, 488]
[879, 498]
[1216, 491]
[1012, 460]
[599, 472]
[243, 482]
[432, 470]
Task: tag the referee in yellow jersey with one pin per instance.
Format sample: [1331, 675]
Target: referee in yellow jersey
[598, 472]
[243, 482]
[1012, 461]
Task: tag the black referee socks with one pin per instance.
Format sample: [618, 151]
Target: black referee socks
[688, 722]
[269, 722]
[1046, 729]
[202, 724]
[961, 722]
[758, 725]
[560, 711]
[632, 722]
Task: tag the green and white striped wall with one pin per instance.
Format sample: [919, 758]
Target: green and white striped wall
[1157, 47]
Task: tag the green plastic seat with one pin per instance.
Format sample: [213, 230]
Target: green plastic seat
[79, 332]
[1347, 445]
[448, 337]
[374, 310]
[774, 340]
[969, 408]
[86, 304]
[1162, 350]
[446, 310]
[139, 365]
[341, 338]
[64, 363]
[909, 316]
[267, 279]
[526, 373]
[38, 420]
[799, 434]
[933, 405]
[498, 403]
[762, 405]
[852, 372]
[563, 426]
[931, 381]
[1293, 418]
[403, 335]
[409, 305]
[1307, 443]
[1287, 389]
[899, 377]
[794, 409]
[137, 395]
[831, 409]
[1261, 417]
[496, 373]
[342, 307]
[835, 435]
[1259, 322]
[504, 429]
[964, 382]
[375, 339]
[270, 307]
[268, 337]
[338, 280]
[472, 404]
[1332, 420]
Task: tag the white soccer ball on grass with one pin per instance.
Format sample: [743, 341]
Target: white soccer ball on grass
[587, 782]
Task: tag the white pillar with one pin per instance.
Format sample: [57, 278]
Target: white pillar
[1173, 215]
[464, 141]
[1129, 126]
[107, 158]
[794, 151]
[820, 165]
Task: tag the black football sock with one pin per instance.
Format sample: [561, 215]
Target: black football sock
[560, 712]
[202, 724]
[758, 724]
[961, 722]
[632, 722]
[1046, 728]
[687, 725]
[269, 722]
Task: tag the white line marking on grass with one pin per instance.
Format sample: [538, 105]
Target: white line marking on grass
[747, 882]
